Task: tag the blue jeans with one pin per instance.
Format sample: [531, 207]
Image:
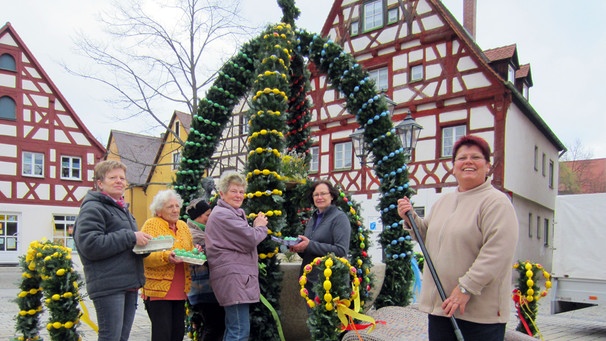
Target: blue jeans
[237, 322]
[115, 315]
[441, 329]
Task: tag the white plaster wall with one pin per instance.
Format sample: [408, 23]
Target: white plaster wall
[35, 223]
[523, 179]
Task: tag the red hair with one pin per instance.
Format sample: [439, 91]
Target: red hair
[472, 140]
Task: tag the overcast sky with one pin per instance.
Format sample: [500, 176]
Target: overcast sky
[565, 45]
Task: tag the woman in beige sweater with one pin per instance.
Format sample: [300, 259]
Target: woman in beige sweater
[471, 236]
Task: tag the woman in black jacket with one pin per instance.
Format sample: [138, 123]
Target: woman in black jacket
[105, 233]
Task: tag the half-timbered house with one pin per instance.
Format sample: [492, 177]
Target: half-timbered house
[47, 155]
[430, 65]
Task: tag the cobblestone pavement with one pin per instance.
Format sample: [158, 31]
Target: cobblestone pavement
[587, 324]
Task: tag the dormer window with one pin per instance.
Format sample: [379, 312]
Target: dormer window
[526, 91]
[511, 74]
[373, 15]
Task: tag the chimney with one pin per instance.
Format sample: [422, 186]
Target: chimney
[469, 17]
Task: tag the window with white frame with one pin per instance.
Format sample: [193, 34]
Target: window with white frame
[393, 15]
[176, 160]
[9, 231]
[450, 135]
[373, 15]
[343, 155]
[512, 74]
[354, 28]
[243, 124]
[526, 91]
[177, 128]
[32, 164]
[71, 168]
[420, 211]
[381, 78]
[63, 233]
[314, 164]
[416, 73]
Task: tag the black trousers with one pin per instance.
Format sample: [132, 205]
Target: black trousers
[213, 320]
[167, 319]
[441, 329]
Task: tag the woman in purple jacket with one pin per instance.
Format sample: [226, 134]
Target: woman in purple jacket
[231, 248]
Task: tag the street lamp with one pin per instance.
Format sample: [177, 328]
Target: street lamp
[359, 145]
[409, 131]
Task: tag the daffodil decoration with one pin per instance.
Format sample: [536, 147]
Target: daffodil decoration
[49, 266]
[527, 294]
[334, 298]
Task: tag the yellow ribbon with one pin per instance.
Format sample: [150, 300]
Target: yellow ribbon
[86, 318]
[343, 311]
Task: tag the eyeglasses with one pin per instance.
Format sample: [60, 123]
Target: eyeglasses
[474, 158]
[321, 194]
[236, 192]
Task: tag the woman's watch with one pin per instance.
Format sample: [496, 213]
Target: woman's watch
[463, 290]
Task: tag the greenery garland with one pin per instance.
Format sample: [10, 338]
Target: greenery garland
[235, 78]
[49, 266]
[389, 162]
[527, 294]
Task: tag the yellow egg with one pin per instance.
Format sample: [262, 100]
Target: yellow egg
[327, 285]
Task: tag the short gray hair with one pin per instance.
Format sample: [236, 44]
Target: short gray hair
[231, 178]
[162, 198]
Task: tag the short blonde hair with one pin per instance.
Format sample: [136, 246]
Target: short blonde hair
[231, 178]
[103, 167]
[162, 198]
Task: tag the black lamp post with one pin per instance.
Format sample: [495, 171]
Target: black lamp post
[409, 131]
[359, 145]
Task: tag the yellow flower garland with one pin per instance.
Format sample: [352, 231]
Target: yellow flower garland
[529, 295]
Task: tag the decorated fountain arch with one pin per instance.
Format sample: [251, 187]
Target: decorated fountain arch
[272, 68]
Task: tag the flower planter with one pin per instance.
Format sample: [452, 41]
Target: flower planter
[293, 309]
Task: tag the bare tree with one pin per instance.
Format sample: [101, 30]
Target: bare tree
[576, 171]
[162, 54]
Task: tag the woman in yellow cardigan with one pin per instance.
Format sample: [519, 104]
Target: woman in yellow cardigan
[167, 279]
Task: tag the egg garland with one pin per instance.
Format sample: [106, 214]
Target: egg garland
[527, 294]
[48, 272]
[237, 76]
